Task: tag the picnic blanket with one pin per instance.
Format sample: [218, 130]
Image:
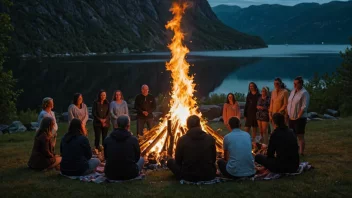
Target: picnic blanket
[99, 176]
[264, 174]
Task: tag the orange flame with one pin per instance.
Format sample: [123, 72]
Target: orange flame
[183, 103]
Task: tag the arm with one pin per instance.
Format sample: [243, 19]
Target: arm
[224, 113]
[239, 112]
[304, 104]
[137, 106]
[271, 104]
[86, 147]
[126, 108]
[112, 113]
[153, 105]
[86, 115]
[284, 106]
[225, 148]
[94, 111]
[213, 157]
[246, 107]
[271, 147]
[107, 112]
[178, 153]
[267, 104]
[70, 114]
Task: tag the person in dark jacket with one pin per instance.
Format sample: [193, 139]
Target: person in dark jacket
[101, 121]
[195, 154]
[283, 143]
[43, 157]
[122, 152]
[145, 105]
[250, 110]
[76, 152]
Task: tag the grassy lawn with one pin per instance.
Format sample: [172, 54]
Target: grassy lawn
[329, 146]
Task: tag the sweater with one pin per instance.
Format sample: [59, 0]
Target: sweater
[145, 103]
[196, 155]
[117, 109]
[79, 113]
[122, 152]
[42, 155]
[231, 111]
[75, 151]
[101, 111]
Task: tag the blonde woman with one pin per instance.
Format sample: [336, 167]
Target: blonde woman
[118, 106]
[48, 105]
[279, 99]
[262, 115]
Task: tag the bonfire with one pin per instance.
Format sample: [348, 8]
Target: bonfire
[161, 140]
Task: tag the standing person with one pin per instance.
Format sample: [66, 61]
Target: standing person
[282, 149]
[101, 120]
[238, 160]
[43, 156]
[279, 99]
[195, 154]
[76, 152]
[117, 107]
[230, 109]
[298, 103]
[47, 106]
[78, 110]
[122, 152]
[250, 110]
[263, 106]
[145, 105]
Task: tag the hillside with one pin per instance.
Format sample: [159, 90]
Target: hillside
[46, 27]
[305, 23]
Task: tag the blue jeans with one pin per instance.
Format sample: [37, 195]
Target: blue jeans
[141, 122]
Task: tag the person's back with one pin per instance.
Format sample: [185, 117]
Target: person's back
[239, 146]
[122, 152]
[196, 154]
[75, 152]
[283, 142]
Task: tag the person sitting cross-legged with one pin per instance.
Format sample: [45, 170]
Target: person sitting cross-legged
[195, 154]
[238, 160]
[283, 143]
[122, 152]
[76, 151]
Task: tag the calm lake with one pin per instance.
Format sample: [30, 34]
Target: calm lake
[216, 72]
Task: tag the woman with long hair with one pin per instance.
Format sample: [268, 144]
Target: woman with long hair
[250, 109]
[263, 114]
[101, 121]
[231, 109]
[279, 99]
[43, 156]
[76, 152]
[118, 106]
[78, 110]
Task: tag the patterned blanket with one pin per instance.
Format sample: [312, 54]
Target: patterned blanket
[262, 174]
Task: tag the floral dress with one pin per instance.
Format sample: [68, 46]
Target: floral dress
[263, 114]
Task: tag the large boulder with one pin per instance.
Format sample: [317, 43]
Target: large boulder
[313, 115]
[4, 129]
[329, 117]
[332, 112]
[16, 127]
[210, 111]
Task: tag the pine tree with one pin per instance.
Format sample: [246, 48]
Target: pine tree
[345, 74]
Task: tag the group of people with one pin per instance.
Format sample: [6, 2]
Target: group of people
[260, 108]
[195, 154]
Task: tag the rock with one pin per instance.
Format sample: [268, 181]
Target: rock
[313, 115]
[4, 128]
[332, 112]
[64, 116]
[130, 106]
[210, 111]
[33, 126]
[329, 117]
[16, 127]
[219, 119]
[126, 50]
[316, 119]
[133, 116]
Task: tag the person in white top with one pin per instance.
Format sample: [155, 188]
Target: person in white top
[48, 105]
[298, 103]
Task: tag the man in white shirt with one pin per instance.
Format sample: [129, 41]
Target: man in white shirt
[298, 103]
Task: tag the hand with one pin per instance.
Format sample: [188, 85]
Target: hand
[145, 113]
[264, 146]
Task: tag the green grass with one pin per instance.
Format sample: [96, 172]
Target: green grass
[329, 146]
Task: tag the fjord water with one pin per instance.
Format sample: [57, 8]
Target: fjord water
[216, 72]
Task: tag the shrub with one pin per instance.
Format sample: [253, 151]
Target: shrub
[27, 116]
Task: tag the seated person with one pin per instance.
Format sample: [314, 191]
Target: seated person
[122, 152]
[76, 152]
[282, 149]
[239, 160]
[195, 154]
[43, 156]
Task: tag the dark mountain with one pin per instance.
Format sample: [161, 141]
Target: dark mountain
[60, 26]
[305, 23]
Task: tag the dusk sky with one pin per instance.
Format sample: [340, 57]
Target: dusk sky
[246, 3]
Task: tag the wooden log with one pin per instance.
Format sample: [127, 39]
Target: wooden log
[155, 141]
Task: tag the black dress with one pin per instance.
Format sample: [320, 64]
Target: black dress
[250, 110]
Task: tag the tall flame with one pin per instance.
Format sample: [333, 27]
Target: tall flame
[182, 103]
